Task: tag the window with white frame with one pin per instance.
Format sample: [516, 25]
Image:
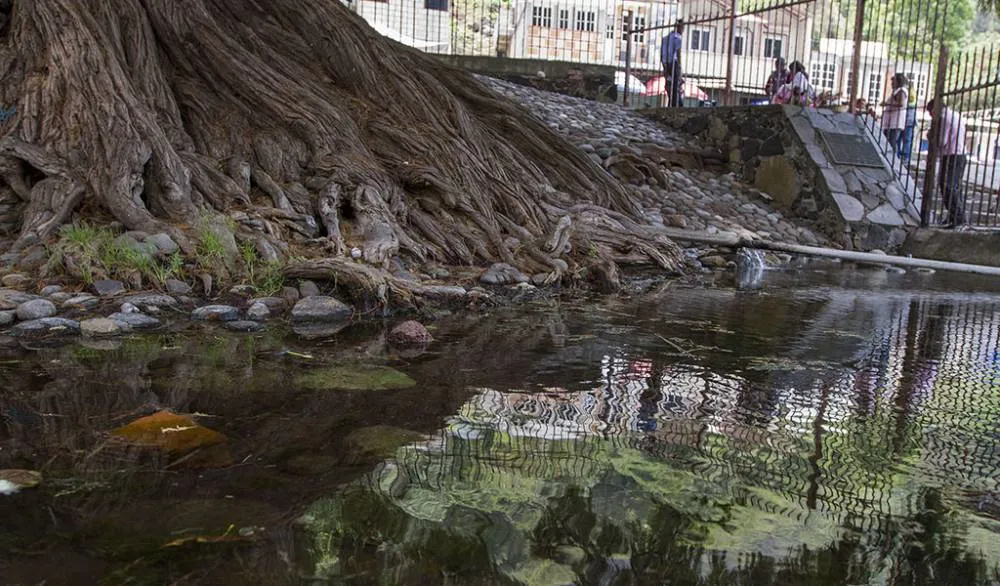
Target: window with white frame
[541, 16]
[874, 88]
[564, 19]
[823, 75]
[640, 25]
[586, 20]
[701, 40]
[918, 83]
[609, 30]
[738, 44]
[773, 47]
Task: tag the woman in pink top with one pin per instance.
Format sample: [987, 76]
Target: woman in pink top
[894, 114]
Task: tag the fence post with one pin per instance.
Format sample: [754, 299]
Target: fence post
[933, 137]
[729, 57]
[859, 26]
[628, 55]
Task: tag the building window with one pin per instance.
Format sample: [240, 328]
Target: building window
[918, 84]
[772, 48]
[701, 40]
[874, 88]
[640, 24]
[585, 21]
[564, 19]
[609, 31]
[435, 4]
[823, 75]
[541, 16]
[737, 45]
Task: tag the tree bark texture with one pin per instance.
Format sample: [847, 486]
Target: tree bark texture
[326, 135]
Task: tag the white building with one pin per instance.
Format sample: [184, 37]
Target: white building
[423, 24]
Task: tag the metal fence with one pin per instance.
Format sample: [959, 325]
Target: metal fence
[728, 52]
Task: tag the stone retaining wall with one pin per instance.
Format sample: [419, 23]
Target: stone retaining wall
[593, 82]
[777, 149]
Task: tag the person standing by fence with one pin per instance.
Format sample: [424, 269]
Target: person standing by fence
[951, 148]
[777, 79]
[911, 127]
[894, 114]
[670, 59]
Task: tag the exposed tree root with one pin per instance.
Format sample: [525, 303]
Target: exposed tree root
[296, 118]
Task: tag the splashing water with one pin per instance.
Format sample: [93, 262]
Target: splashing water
[749, 269]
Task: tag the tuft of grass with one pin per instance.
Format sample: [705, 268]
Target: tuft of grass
[265, 276]
[91, 253]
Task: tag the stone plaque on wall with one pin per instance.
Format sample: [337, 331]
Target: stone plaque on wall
[850, 149]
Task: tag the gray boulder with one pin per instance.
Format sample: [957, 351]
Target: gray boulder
[502, 274]
[7, 318]
[46, 326]
[36, 309]
[258, 311]
[100, 327]
[108, 288]
[216, 313]
[135, 321]
[320, 309]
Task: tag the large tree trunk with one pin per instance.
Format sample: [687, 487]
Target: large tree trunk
[162, 112]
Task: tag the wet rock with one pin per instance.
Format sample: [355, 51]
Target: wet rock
[151, 301]
[176, 435]
[60, 297]
[163, 242]
[714, 261]
[308, 289]
[32, 258]
[7, 318]
[129, 308]
[273, 304]
[502, 274]
[258, 311]
[290, 295]
[50, 290]
[320, 309]
[46, 326]
[318, 330]
[175, 287]
[108, 288]
[84, 301]
[13, 481]
[100, 326]
[244, 326]
[36, 309]
[409, 333]
[15, 280]
[135, 321]
[216, 313]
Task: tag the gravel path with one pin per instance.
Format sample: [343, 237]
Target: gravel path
[693, 199]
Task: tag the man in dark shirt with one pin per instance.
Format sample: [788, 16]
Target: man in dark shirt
[670, 59]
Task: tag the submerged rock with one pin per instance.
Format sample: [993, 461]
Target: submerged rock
[320, 309]
[14, 480]
[410, 333]
[355, 377]
[177, 435]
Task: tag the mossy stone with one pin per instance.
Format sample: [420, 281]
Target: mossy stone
[355, 377]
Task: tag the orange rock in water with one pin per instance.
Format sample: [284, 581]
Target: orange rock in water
[177, 435]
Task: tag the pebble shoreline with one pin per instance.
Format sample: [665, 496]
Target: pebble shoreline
[693, 199]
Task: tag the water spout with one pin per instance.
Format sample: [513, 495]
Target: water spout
[749, 269]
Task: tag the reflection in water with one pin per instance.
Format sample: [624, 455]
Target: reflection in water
[830, 438]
